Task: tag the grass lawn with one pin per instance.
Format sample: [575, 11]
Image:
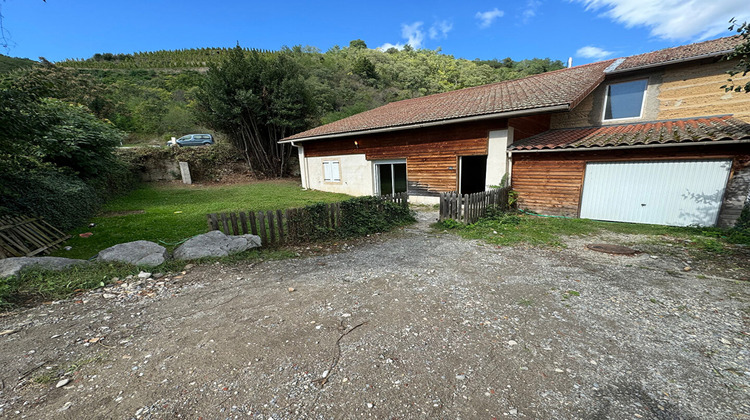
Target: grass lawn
[510, 229]
[170, 213]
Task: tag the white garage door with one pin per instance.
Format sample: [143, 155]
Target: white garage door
[677, 193]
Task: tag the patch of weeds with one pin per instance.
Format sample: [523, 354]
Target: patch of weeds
[656, 301]
[682, 308]
[701, 276]
[449, 224]
[525, 302]
[36, 284]
[45, 378]
[569, 293]
[709, 245]
[78, 364]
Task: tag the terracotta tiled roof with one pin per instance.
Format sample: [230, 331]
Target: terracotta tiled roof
[714, 47]
[691, 130]
[561, 88]
[566, 87]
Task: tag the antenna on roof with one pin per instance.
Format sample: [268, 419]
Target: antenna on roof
[570, 62]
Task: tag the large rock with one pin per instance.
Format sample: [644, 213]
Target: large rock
[13, 266]
[215, 244]
[143, 253]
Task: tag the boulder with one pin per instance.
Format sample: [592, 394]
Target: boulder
[12, 266]
[142, 253]
[215, 244]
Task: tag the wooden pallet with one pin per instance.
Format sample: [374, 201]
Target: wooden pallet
[24, 236]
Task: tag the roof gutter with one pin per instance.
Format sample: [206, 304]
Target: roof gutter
[553, 108]
[666, 63]
[639, 146]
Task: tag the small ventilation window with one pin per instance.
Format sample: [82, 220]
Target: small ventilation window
[625, 100]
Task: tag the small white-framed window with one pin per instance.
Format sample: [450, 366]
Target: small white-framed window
[625, 100]
[331, 172]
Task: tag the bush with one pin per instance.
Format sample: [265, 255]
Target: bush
[743, 222]
[366, 215]
[359, 217]
[64, 201]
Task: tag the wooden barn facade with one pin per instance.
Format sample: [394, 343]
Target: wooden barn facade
[649, 138]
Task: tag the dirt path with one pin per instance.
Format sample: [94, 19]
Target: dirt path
[416, 324]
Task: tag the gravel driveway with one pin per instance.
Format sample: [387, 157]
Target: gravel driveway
[410, 324]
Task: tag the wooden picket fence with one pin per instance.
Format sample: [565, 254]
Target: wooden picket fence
[469, 208]
[25, 236]
[294, 225]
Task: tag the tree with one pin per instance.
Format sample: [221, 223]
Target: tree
[357, 44]
[741, 51]
[256, 99]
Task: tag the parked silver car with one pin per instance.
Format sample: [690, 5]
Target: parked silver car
[192, 140]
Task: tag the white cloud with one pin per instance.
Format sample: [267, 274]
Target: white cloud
[439, 30]
[674, 19]
[486, 18]
[413, 33]
[593, 52]
[388, 46]
[531, 7]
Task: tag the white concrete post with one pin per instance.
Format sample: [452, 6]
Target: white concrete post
[498, 161]
[302, 165]
[185, 172]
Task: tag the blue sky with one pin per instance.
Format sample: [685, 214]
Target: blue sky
[587, 30]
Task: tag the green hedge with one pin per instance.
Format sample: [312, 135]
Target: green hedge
[366, 215]
[206, 163]
[360, 216]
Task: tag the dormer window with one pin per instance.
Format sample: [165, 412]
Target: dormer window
[625, 100]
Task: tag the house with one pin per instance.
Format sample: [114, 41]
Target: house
[650, 138]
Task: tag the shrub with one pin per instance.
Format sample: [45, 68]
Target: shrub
[366, 215]
[63, 200]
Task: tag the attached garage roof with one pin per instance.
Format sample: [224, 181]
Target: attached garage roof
[560, 90]
[692, 130]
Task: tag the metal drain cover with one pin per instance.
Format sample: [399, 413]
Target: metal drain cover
[612, 249]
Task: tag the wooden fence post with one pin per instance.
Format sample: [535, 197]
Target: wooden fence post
[272, 237]
[279, 215]
[243, 222]
[235, 228]
[225, 223]
[262, 228]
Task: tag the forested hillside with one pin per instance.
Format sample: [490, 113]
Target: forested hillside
[151, 95]
[8, 64]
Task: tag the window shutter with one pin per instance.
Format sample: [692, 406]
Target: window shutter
[335, 174]
[327, 174]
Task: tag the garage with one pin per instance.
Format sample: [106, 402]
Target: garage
[675, 192]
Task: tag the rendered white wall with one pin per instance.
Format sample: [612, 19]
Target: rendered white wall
[356, 175]
[498, 162]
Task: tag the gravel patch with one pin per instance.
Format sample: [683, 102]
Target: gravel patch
[411, 324]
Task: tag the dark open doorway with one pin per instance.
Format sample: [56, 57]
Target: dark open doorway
[473, 171]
